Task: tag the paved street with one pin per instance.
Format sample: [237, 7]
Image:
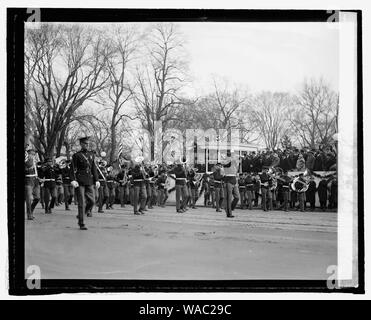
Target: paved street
[198, 244]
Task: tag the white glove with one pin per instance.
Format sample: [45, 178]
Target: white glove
[97, 184]
[74, 184]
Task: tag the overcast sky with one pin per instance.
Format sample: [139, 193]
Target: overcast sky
[262, 56]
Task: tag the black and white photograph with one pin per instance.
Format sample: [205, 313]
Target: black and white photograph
[195, 146]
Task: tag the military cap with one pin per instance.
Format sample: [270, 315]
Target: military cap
[84, 139]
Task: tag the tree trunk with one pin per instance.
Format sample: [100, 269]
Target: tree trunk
[113, 142]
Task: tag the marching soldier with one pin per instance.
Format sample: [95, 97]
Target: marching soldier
[139, 188]
[229, 172]
[122, 179]
[249, 183]
[212, 190]
[181, 193]
[310, 194]
[161, 182]
[110, 181]
[32, 186]
[150, 175]
[68, 190]
[286, 181]
[48, 176]
[256, 188]
[219, 192]
[242, 190]
[265, 183]
[84, 176]
[192, 188]
[103, 189]
[301, 194]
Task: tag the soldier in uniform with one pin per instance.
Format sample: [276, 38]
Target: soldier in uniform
[103, 189]
[265, 182]
[242, 190]
[32, 186]
[192, 188]
[84, 176]
[322, 193]
[229, 172]
[249, 183]
[256, 188]
[161, 181]
[311, 193]
[286, 181]
[219, 192]
[122, 180]
[68, 190]
[139, 189]
[181, 193]
[110, 181]
[48, 176]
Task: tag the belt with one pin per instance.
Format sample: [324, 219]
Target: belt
[217, 181]
[102, 180]
[242, 187]
[31, 175]
[230, 175]
[285, 187]
[249, 185]
[110, 180]
[181, 178]
[136, 180]
[49, 179]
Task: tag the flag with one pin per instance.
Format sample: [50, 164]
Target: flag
[121, 148]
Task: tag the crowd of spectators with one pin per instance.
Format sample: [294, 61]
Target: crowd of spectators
[321, 159]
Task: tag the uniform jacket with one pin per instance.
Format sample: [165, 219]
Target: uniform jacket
[84, 169]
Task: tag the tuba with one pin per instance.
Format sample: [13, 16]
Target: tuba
[299, 186]
[62, 164]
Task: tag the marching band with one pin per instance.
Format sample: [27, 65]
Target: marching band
[90, 181]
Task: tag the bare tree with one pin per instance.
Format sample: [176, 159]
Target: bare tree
[269, 113]
[119, 92]
[69, 65]
[160, 81]
[314, 114]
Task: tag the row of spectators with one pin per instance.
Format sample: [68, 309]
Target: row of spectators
[290, 160]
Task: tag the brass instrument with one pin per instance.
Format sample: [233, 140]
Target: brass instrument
[62, 164]
[304, 184]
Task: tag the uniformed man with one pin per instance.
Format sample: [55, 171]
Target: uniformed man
[161, 182]
[68, 190]
[48, 176]
[229, 172]
[103, 189]
[111, 186]
[310, 194]
[192, 189]
[242, 190]
[181, 194]
[265, 182]
[84, 176]
[219, 192]
[122, 180]
[139, 188]
[286, 181]
[32, 186]
[249, 183]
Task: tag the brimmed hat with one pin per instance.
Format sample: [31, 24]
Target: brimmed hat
[84, 139]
